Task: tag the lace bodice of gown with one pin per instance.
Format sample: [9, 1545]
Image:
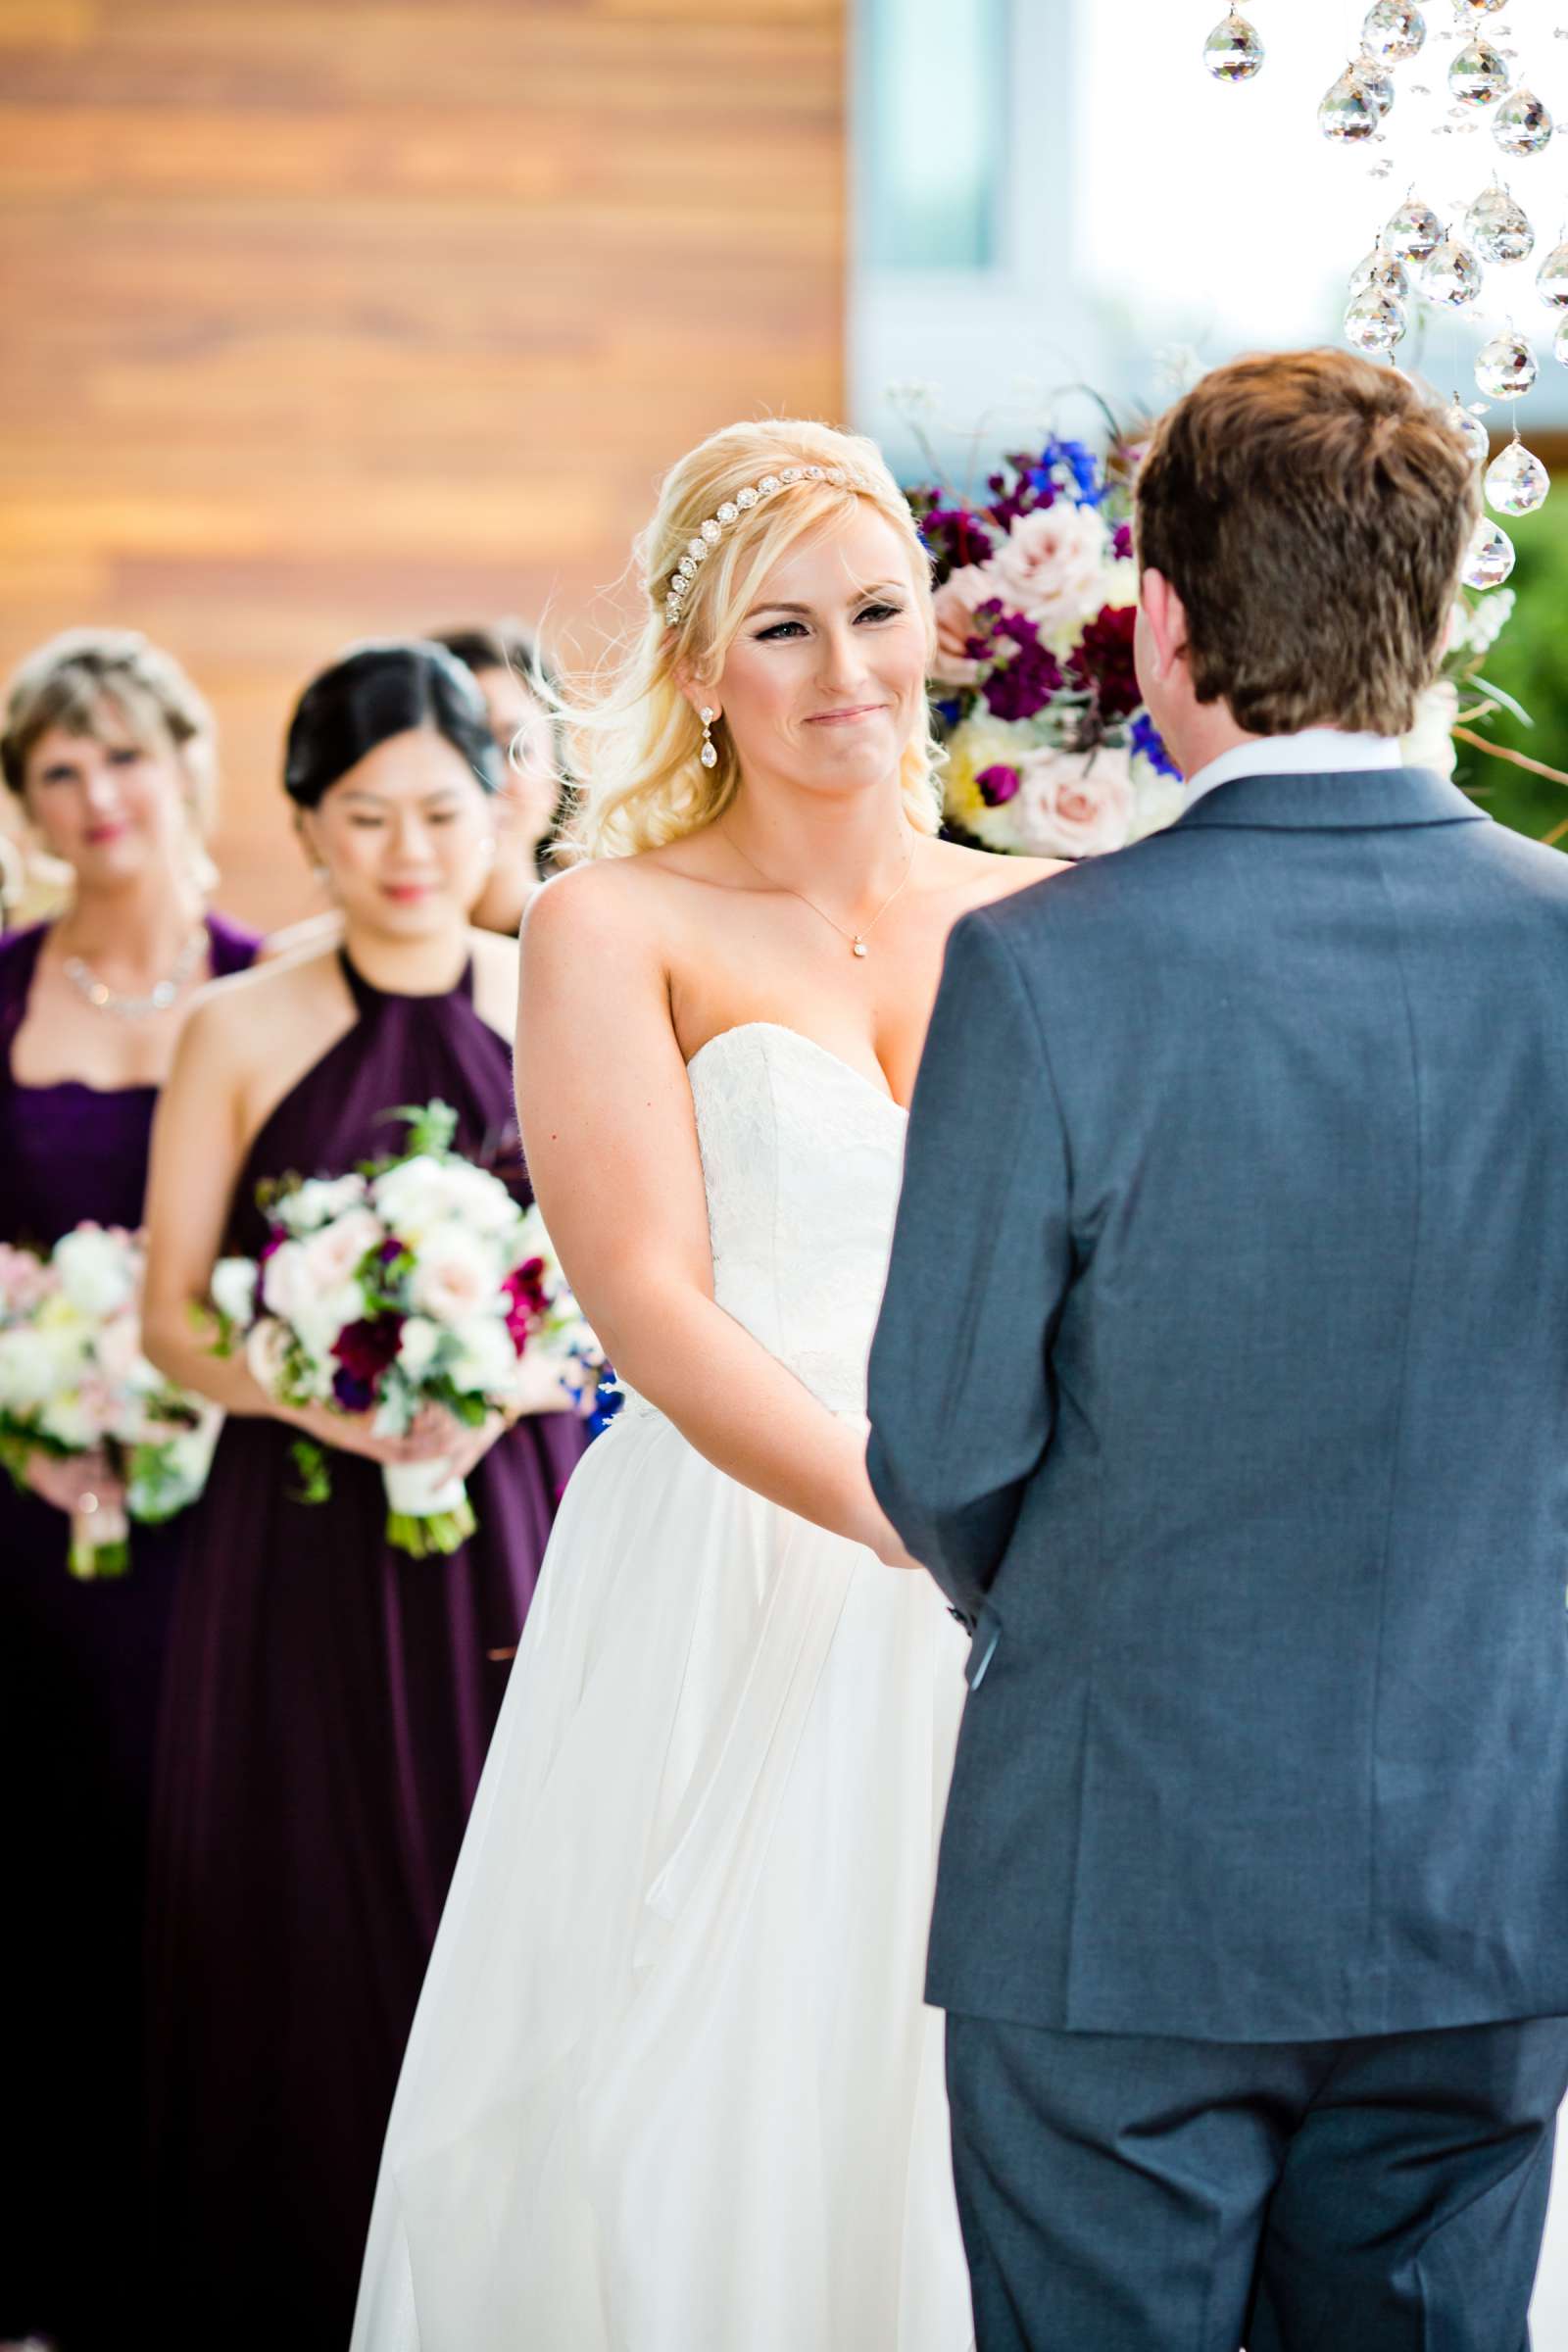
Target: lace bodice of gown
[801, 1159]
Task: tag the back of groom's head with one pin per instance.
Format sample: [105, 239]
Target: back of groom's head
[1311, 513]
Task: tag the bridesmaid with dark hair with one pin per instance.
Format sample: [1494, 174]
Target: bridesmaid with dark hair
[107, 753]
[328, 1702]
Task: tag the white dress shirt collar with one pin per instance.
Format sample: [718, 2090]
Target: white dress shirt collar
[1316, 750]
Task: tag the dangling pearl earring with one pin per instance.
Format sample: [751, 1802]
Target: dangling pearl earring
[708, 755]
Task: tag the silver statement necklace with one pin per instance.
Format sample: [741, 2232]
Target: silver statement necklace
[857, 939]
[103, 999]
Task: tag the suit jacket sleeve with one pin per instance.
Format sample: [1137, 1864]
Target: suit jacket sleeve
[960, 1400]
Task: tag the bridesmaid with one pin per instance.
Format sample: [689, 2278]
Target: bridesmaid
[504, 659]
[108, 752]
[328, 1702]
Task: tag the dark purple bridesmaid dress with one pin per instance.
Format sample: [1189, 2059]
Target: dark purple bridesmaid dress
[327, 1711]
[80, 1669]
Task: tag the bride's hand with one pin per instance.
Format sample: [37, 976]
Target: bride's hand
[879, 1535]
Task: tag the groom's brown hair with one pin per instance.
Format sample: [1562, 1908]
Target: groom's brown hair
[1311, 512]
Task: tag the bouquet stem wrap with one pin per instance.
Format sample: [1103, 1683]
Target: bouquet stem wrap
[428, 1511]
[100, 1542]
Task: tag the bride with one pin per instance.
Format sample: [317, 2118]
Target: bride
[672, 2088]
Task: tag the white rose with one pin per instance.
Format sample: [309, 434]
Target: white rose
[485, 1363]
[98, 1271]
[333, 1251]
[455, 1277]
[32, 1366]
[1157, 801]
[417, 1346]
[285, 1287]
[118, 1354]
[1051, 568]
[417, 1196]
[234, 1287]
[320, 1322]
[1430, 742]
[70, 1421]
[317, 1202]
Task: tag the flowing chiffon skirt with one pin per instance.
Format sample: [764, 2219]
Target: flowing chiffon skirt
[671, 2086]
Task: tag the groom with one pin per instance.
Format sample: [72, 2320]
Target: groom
[1222, 1383]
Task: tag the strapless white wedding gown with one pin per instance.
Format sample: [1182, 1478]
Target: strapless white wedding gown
[672, 2088]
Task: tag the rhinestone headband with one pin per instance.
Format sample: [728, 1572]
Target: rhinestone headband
[708, 534]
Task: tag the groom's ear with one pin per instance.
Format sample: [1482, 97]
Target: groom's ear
[1166, 619]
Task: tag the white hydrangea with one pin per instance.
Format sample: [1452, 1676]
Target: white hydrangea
[97, 1270]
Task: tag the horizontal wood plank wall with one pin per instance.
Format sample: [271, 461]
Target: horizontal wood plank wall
[327, 319]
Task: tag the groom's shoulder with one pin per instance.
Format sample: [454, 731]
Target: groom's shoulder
[1080, 897]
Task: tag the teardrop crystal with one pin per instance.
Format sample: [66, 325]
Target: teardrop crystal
[1490, 557]
[1559, 347]
[1374, 321]
[1478, 75]
[1393, 31]
[1472, 432]
[1451, 276]
[1477, 9]
[1347, 111]
[1499, 227]
[1551, 278]
[1517, 482]
[1233, 51]
[1413, 233]
[1505, 368]
[1522, 126]
[1383, 271]
[1378, 82]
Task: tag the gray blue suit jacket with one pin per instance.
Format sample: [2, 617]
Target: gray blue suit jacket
[1222, 1383]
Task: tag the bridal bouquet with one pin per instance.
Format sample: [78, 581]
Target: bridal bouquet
[73, 1381]
[1049, 750]
[414, 1282]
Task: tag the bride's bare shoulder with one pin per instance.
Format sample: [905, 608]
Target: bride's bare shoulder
[976, 877]
[626, 908]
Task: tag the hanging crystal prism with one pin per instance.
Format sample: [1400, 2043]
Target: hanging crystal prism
[1505, 368]
[1499, 227]
[1478, 75]
[1377, 81]
[1413, 233]
[1471, 431]
[1394, 30]
[1559, 348]
[1551, 278]
[1522, 126]
[1490, 557]
[1383, 271]
[1451, 276]
[1233, 51]
[1374, 321]
[1347, 111]
[1476, 9]
[1517, 482]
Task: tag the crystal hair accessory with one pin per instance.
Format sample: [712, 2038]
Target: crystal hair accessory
[708, 534]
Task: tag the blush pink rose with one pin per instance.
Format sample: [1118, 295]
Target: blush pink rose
[1051, 568]
[1073, 804]
[329, 1257]
[954, 604]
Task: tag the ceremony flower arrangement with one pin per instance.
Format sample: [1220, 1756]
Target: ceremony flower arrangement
[73, 1381]
[1051, 752]
[419, 1281]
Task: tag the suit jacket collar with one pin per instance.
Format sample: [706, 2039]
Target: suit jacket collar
[1349, 800]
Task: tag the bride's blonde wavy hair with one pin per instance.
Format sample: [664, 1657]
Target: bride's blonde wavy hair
[640, 781]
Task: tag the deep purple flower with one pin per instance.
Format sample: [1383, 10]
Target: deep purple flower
[1026, 679]
[1103, 663]
[364, 1351]
[524, 1287]
[998, 785]
[354, 1395]
[1121, 543]
[955, 536]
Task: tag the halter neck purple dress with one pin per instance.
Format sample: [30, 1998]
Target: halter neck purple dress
[79, 1668]
[328, 1707]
